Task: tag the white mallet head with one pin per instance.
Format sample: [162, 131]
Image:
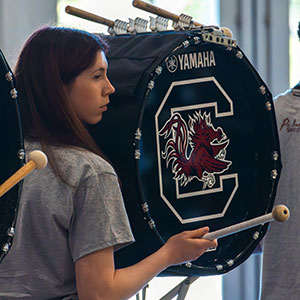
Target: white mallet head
[39, 158]
[227, 32]
[280, 213]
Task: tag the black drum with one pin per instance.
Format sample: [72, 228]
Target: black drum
[192, 134]
[12, 154]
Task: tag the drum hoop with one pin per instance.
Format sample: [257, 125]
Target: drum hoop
[20, 155]
[261, 229]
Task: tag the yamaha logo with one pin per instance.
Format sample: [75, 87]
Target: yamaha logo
[189, 61]
[172, 63]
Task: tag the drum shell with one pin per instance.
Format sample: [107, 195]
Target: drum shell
[129, 110]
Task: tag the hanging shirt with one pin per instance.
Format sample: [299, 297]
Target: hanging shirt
[281, 256]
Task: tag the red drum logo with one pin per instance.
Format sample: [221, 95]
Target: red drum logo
[196, 150]
[197, 173]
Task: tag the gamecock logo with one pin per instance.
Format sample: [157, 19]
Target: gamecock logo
[196, 150]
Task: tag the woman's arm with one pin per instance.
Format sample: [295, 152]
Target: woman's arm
[97, 278]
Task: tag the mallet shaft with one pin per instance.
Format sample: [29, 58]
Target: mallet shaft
[280, 213]
[88, 16]
[16, 177]
[158, 11]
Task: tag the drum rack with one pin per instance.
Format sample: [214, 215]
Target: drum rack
[159, 23]
[180, 290]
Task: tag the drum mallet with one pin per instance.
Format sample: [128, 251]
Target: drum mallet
[88, 16]
[158, 11]
[37, 160]
[168, 15]
[280, 213]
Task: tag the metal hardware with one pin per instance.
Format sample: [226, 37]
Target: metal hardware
[230, 262]
[158, 24]
[131, 27]
[14, 93]
[262, 89]
[186, 43]
[239, 55]
[145, 207]
[21, 154]
[256, 235]
[11, 231]
[137, 26]
[151, 84]
[216, 39]
[158, 70]
[275, 155]
[215, 30]
[120, 27]
[137, 154]
[180, 290]
[274, 174]
[268, 106]
[151, 224]
[138, 134]
[197, 40]
[184, 22]
[9, 76]
[6, 247]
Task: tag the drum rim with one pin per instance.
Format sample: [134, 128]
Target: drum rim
[20, 156]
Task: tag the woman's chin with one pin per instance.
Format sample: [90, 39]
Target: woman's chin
[94, 121]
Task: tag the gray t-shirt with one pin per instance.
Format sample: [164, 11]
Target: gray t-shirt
[281, 256]
[58, 224]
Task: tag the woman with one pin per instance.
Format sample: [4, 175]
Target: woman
[72, 217]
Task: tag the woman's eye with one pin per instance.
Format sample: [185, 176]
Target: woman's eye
[97, 76]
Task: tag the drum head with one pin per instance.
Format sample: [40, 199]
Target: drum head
[205, 150]
[12, 154]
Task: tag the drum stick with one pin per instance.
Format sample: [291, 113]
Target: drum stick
[88, 16]
[158, 11]
[38, 160]
[279, 213]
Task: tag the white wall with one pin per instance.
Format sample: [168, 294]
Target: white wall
[261, 28]
[18, 19]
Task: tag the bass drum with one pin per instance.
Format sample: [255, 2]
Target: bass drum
[12, 154]
[191, 132]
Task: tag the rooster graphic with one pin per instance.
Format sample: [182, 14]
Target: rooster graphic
[195, 151]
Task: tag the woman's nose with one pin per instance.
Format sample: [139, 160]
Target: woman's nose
[110, 88]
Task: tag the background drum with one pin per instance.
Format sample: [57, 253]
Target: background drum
[192, 134]
[12, 154]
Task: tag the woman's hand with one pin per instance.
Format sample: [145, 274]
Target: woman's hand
[187, 246]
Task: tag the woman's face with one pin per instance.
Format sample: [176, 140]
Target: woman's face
[89, 92]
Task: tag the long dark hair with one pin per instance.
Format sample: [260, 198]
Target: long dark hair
[51, 58]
